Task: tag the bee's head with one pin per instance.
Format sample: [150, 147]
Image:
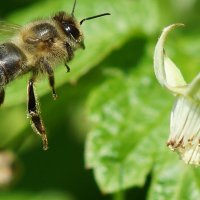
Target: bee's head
[71, 27]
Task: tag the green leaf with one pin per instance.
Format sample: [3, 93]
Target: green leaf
[174, 180]
[127, 115]
[101, 35]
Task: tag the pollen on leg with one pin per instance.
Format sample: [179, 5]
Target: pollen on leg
[45, 141]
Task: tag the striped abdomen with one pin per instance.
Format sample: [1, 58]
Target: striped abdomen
[12, 63]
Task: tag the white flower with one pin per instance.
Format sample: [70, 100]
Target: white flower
[185, 117]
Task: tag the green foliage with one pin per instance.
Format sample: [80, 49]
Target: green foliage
[111, 94]
[50, 195]
[127, 115]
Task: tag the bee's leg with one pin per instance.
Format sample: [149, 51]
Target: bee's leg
[70, 55]
[50, 73]
[34, 113]
[2, 95]
[67, 66]
[52, 83]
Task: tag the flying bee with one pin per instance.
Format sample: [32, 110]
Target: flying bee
[36, 48]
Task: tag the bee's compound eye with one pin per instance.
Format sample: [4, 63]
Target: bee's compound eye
[72, 30]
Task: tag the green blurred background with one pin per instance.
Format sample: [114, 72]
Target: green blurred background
[111, 115]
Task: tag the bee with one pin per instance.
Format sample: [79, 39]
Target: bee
[36, 48]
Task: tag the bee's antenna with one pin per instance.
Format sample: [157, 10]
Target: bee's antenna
[73, 8]
[88, 18]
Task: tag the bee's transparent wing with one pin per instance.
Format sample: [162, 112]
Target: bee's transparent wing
[7, 30]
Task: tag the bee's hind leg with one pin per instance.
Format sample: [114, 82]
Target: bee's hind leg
[34, 114]
[2, 95]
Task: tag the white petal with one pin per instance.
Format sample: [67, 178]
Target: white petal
[185, 129]
[165, 70]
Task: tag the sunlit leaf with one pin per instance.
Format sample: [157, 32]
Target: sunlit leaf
[125, 112]
[174, 180]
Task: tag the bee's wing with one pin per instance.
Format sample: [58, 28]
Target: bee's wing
[8, 30]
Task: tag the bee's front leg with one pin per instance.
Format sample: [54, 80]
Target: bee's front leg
[50, 73]
[70, 55]
[2, 95]
[67, 66]
[34, 114]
